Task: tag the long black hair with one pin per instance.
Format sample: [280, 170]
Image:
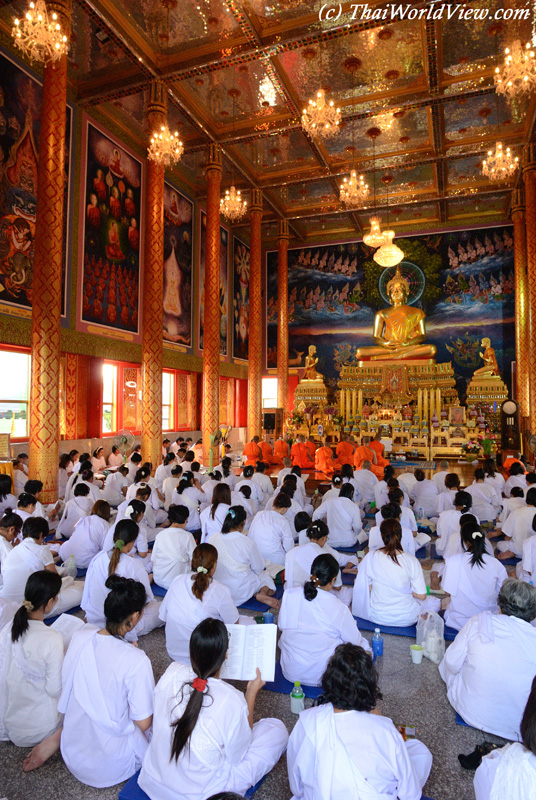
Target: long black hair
[323, 570]
[474, 540]
[186, 481]
[5, 486]
[235, 517]
[126, 531]
[391, 532]
[347, 490]
[126, 597]
[209, 643]
[350, 681]
[40, 587]
[221, 494]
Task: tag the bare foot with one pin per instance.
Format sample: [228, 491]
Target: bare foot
[269, 601]
[266, 590]
[42, 752]
[434, 581]
[507, 554]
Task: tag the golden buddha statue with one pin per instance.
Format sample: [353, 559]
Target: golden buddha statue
[490, 361]
[310, 373]
[399, 331]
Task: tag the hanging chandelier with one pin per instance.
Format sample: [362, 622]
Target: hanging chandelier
[39, 34]
[165, 148]
[499, 164]
[374, 238]
[354, 190]
[518, 73]
[321, 118]
[389, 254]
[232, 206]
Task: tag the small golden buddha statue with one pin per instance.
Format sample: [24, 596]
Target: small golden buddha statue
[490, 361]
[310, 373]
[399, 331]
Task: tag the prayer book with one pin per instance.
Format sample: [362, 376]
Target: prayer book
[67, 625]
[250, 646]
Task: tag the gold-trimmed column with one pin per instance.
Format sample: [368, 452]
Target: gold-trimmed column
[153, 290]
[47, 272]
[529, 177]
[522, 302]
[255, 318]
[210, 411]
[283, 237]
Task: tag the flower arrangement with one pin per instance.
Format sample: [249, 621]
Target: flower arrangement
[330, 411]
[472, 447]
[309, 411]
[295, 419]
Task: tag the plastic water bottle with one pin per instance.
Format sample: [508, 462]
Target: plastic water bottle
[297, 698]
[377, 644]
[420, 514]
[69, 568]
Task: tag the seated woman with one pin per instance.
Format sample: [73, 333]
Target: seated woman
[264, 482]
[336, 486]
[173, 548]
[257, 496]
[148, 527]
[493, 477]
[88, 536]
[517, 478]
[240, 565]
[7, 500]
[289, 489]
[212, 517]
[445, 500]
[472, 578]
[115, 486]
[342, 749]
[215, 746]
[31, 658]
[313, 621]
[10, 527]
[392, 511]
[170, 484]
[64, 470]
[485, 505]
[118, 561]
[98, 460]
[347, 475]
[407, 517]
[115, 459]
[107, 697]
[227, 474]
[189, 493]
[343, 518]
[271, 532]
[448, 524]
[511, 770]
[518, 528]
[84, 476]
[425, 495]
[134, 511]
[381, 488]
[242, 497]
[489, 667]
[143, 478]
[390, 588]
[26, 505]
[193, 597]
[79, 506]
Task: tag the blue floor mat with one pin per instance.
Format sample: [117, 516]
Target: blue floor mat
[421, 552]
[281, 685]
[347, 578]
[50, 620]
[434, 554]
[131, 790]
[254, 605]
[367, 625]
[81, 572]
[460, 721]
[158, 591]
[509, 562]
[353, 549]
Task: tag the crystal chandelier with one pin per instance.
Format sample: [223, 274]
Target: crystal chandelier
[165, 148]
[232, 206]
[388, 255]
[39, 35]
[518, 73]
[321, 118]
[354, 190]
[499, 164]
[374, 238]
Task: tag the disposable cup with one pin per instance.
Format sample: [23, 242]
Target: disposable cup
[416, 653]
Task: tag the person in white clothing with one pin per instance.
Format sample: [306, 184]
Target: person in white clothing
[334, 490]
[173, 548]
[256, 499]
[163, 471]
[226, 472]
[203, 732]
[118, 561]
[170, 484]
[347, 475]
[472, 579]
[343, 519]
[98, 460]
[265, 484]
[485, 505]
[301, 493]
[7, 500]
[240, 565]
[272, 533]
[518, 528]
[107, 711]
[517, 478]
[79, 506]
[490, 665]
[382, 496]
[10, 528]
[115, 459]
[526, 569]
[341, 748]
[516, 500]
[64, 472]
[85, 476]
[390, 588]
[134, 511]
[88, 536]
[143, 479]
[133, 464]
[209, 481]
[243, 498]
[286, 470]
[287, 491]
[75, 477]
[381, 488]
[392, 511]
[212, 517]
[493, 477]
[189, 493]
[115, 486]
[445, 500]
[193, 597]
[407, 479]
[440, 477]
[366, 481]
[26, 504]
[313, 621]
[448, 524]
[407, 517]
[424, 495]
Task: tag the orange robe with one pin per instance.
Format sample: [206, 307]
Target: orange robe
[253, 454]
[281, 450]
[378, 449]
[345, 453]
[364, 453]
[267, 454]
[324, 460]
[508, 463]
[299, 455]
[311, 446]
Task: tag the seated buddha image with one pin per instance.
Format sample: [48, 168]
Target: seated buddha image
[399, 331]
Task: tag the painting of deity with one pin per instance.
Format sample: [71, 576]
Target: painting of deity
[20, 112]
[110, 244]
[177, 267]
[224, 287]
[240, 299]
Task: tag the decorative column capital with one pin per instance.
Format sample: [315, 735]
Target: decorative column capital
[255, 202]
[529, 158]
[157, 103]
[283, 230]
[213, 158]
[518, 202]
[64, 10]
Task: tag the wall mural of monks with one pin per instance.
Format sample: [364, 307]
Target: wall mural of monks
[462, 280]
[177, 267]
[110, 241]
[20, 110]
[224, 284]
[240, 299]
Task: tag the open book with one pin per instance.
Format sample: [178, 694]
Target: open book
[67, 625]
[250, 646]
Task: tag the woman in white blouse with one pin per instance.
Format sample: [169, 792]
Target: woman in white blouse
[115, 459]
[189, 493]
[64, 472]
[98, 461]
[343, 518]
[212, 517]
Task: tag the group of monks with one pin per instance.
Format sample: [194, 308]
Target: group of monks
[306, 455]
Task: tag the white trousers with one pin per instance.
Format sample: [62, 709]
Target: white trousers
[149, 621]
[421, 760]
[70, 596]
[269, 739]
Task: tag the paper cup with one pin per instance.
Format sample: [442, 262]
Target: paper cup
[416, 653]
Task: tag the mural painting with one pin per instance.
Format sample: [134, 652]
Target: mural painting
[177, 267]
[240, 299]
[224, 285]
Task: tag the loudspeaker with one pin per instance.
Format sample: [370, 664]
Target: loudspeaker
[268, 421]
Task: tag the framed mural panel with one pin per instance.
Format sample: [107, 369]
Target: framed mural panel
[111, 229]
[240, 300]
[224, 284]
[20, 113]
[178, 230]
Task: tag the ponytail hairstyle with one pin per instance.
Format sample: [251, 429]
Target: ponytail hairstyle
[126, 531]
[176, 471]
[302, 520]
[143, 491]
[324, 568]
[246, 491]
[388, 472]
[178, 514]
[82, 490]
[86, 475]
[186, 481]
[35, 528]
[204, 558]
[317, 530]
[261, 466]
[226, 466]
[209, 643]
[347, 490]
[169, 458]
[336, 481]
[347, 471]
[474, 540]
[26, 500]
[65, 460]
[463, 499]
[142, 474]
[5, 486]
[452, 481]
[248, 471]
[134, 508]
[101, 509]
[282, 500]
[11, 519]
[391, 532]
[479, 474]
[40, 587]
[236, 516]
[126, 597]
[221, 494]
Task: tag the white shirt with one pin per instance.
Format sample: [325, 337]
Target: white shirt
[519, 527]
[439, 480]
[265, 484]
[298, 562]
[472, 589]
[86, 540]
[424, 494]
[242, 550]
[19, 564]
[273, 536]
[193, 498]
[95, 591]
[407, 519]
[113, 485]
[74, 510]
[343, 520]
[5, 548]
[212, 524]
[9, 501]
[375, 541]
[172, 555]
[390, 600]
[407, 481]
[257, 496]
[168, 487]
[366, 480]
[162, 472]
[98, 464]
[182, 612]
[445, 501]
[515, 480]
[484, 501]
[115, 460]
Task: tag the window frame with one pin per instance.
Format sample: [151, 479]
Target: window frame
[26, 351]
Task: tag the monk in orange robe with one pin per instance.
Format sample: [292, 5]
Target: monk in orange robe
[281, 450]
[345, 451]
[378, 448]
[366, 453]
[324, 460]
[253, 452]
[507, 463]
[299, 454]
[311, 446]
[268, 454]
